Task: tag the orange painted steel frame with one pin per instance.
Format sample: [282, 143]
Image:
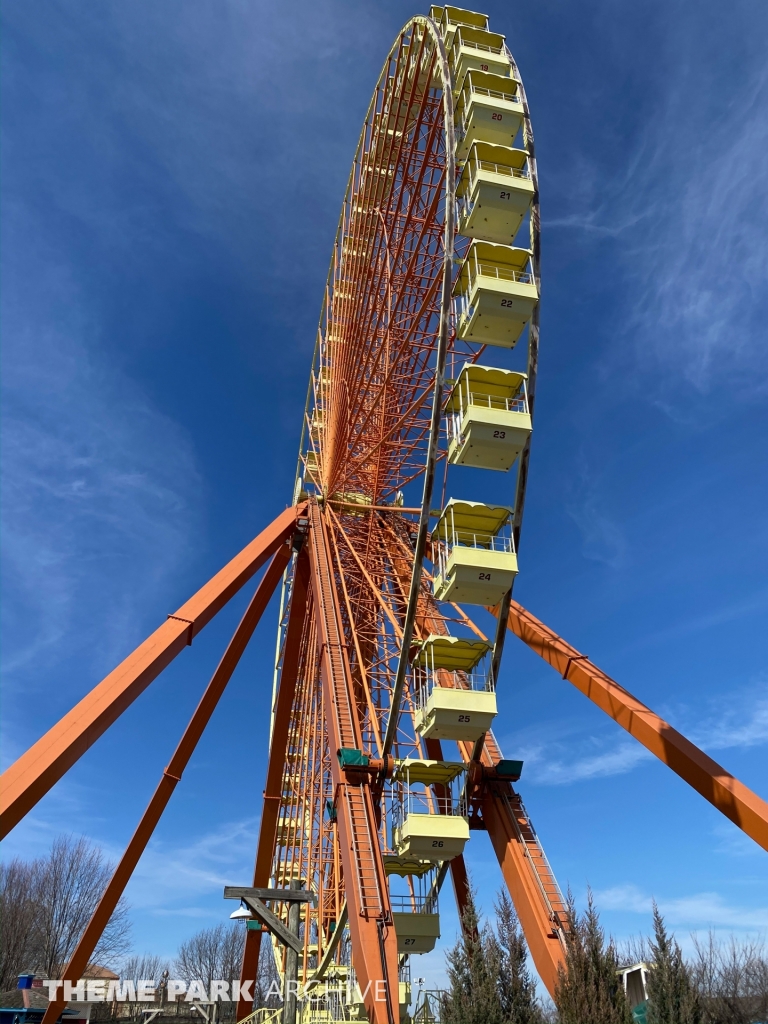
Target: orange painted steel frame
[273, 787]
[370, 428]
[370, 922]
[714, 783]
[171, 776]
[29, 779]
[374, 943]
[542, 933]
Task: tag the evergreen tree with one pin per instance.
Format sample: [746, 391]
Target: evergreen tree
[589, 990]
[672, 997]
[516, 987]
[473, 972]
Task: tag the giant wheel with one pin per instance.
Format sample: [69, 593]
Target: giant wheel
[427, 271]
[365, 812]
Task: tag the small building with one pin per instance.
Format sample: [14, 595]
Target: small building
[634, 980]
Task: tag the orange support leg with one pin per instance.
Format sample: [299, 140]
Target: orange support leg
[171, 776]
[40, 768]
[534, 891]
[524, 884]
[273, 788]
[374, 943]
[731, 797]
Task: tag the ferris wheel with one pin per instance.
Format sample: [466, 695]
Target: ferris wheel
[382, 759]
[434, 270]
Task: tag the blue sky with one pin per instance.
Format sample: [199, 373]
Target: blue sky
[172, 177]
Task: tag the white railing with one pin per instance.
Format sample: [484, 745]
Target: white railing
[472, 45]
[518, 403]
[264, 1015]
[501, 542]
[426, 679]
[495, 94]
[512, 172]
[415, 903]
[451, 800]
[500, 272]
[454, 421]
[430, 1009]
[447, 21]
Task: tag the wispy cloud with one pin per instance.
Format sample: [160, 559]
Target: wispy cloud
[603, 540]
[742, 726]
[545, 770]
[731, 611]
[172, 874]
[702, 268]
[740, 722]
[689, 210]
[699, 910]
[100, 489]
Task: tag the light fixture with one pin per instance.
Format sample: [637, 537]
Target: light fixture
[241, 914]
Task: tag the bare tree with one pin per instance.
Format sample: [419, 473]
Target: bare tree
[147, 967]
[67, 887]
[212, 953]
[634, 950]
[267, 976]
[50, 901]
[16, 914]
[217, 953]
[732, 980]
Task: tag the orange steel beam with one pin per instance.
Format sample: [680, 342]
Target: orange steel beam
[374, 943]
[170, 777]
[540, 934]
[29, 779]
[731, 797]
[519, 873]
[273, 787]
